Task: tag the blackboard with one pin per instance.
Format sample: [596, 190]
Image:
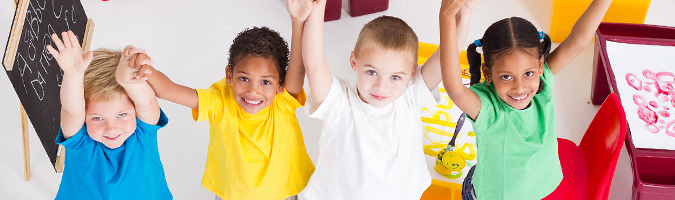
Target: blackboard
[32, 70]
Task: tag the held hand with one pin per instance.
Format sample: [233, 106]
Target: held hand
[143, 72]
[135, 61]
[128, 71]
[451, 7]
[69, 55]
[300, 9]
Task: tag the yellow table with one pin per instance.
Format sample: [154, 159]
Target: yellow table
[443, 190]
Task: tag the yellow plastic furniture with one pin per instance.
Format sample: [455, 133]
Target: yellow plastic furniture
[442, 190]
[566, 12]
[426, 50]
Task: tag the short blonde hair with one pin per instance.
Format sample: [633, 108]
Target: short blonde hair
[99, 78]
[390, 33]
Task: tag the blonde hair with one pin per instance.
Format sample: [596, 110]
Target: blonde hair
[390, 33]
[99, 78]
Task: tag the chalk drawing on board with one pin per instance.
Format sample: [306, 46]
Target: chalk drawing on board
[36, 76]
[38, 86]
[645, 82]
[22, 66]
[43, 62]
[54, 10]
[31, 51]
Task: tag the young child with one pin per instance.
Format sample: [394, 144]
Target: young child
[109, 123]
[256, 150]
[512, 110]
[371, 142]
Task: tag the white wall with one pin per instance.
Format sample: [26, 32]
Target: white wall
[189, 40]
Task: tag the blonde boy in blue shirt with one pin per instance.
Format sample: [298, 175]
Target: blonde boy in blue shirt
[109, 123]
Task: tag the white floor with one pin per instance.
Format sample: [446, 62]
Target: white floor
[189, 40]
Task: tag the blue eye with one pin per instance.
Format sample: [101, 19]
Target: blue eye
[266, 82]
[121, 115]
[506, 77]
[371, 72]
[243, 79]
[529, 73]
[395, 77]
[97, 118]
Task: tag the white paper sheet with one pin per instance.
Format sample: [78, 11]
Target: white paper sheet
[645, 80]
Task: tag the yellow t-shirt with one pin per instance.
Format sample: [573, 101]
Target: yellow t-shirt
[253, 156]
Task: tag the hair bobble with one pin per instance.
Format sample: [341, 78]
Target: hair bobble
[541, 35]
[478, 42]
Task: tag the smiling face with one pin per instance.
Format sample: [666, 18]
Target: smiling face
[515, 76]
[381, 74]
[111, 122]
[255, 82]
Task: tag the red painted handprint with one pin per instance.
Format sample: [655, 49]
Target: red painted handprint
[661, 84]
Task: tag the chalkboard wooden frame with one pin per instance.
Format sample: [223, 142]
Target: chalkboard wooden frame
[33, 26]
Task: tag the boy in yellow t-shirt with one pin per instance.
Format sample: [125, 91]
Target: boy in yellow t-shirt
[256, 150]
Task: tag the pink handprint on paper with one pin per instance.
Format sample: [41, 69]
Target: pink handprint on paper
[645, 114]
[633, 81]
[670, 129]
[664, 113]
[661, 85]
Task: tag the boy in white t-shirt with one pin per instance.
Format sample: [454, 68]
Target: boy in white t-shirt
[371, 142]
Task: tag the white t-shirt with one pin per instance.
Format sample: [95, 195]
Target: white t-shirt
[367, 152]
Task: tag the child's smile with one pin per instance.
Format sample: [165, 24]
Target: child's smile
[379, 98]
[252, 102]
[111, 122]
[516, 77]
[112, 137]
[255, 82]
[520, 99]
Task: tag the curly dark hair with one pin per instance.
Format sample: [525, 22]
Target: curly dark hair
[262, 42]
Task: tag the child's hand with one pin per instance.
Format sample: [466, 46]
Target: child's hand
[300, 9]
[318, 12]
[136, 57]
[143, 72]
[128, 70]
[70, 57]
[451, 7]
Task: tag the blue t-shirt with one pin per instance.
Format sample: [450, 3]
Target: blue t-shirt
[131, 171]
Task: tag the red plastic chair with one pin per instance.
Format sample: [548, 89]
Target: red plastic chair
[588, 169]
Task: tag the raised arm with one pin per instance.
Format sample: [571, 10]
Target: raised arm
[316, 67]
[145, 102]
[73, 62]
[166, 89]
[463, 19]
[581, 35]
[295, 75]
[431, 71]
[465, 99]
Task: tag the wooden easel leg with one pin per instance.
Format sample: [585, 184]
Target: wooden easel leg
[60, 159]
[26, 150]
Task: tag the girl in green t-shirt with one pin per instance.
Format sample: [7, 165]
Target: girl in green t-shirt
[512, 110]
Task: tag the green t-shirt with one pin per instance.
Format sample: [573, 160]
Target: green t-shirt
[517, 149]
